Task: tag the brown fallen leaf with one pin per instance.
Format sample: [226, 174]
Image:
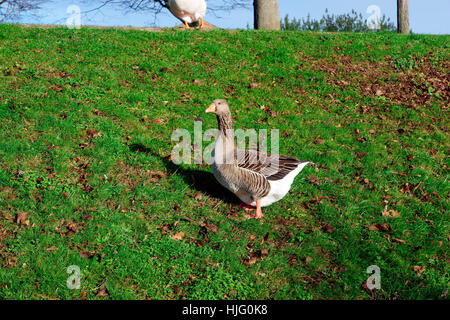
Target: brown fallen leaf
[157, 121]
[87, 254]
[83, 145]
[22, 218]
[52, 248]
[198, 196]
[8, 217]
[211, 227]
[250, 261]
[98, 113]
[292, 260]
[253, 85]
[88, 217]
[398, 240]
[56, 87]
[273, 114]
[199, 243]
[319, 141]
[314, 180]
[102, 291]
[327, 228]
[177, 236]
[380, 227]
[93, 133]
[390, 213]
[308, 259]
[419, 270]
[65, 195]
[72, 226]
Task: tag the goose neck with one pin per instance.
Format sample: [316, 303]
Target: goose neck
[226, 126]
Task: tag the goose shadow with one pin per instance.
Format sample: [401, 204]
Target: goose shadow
[200, 180]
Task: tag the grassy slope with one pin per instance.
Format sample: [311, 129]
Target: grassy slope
[86, 118]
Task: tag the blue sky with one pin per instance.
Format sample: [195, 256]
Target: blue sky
[426, 16]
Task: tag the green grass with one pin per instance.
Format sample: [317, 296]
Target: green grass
[86, 118]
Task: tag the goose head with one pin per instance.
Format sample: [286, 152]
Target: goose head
[219, 107]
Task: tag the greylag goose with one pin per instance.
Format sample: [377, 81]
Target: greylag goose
[258, 179]
[188, 11]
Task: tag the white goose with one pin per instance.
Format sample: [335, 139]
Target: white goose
[188, 11]
[258, 179]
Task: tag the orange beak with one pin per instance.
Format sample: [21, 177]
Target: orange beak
[211, 108]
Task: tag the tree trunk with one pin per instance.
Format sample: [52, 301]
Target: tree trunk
[402, 16]
[267, 15]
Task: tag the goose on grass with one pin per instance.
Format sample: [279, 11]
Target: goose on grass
[188, 11]
[258, 179]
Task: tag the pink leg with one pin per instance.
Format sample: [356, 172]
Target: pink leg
[201, 24]
[248, 208]
[259, 214]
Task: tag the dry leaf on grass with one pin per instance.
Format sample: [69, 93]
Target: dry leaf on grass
[390, 213]
[102, 291]
[398, 240]
[211, 227]
[72, 226]
[198, 196]
[87, 254]
[93, 133]
[178, 236]
[419, 270]
[380, 227]
[314, 180]
[327, 228]
[22, 218]
[319, 141]
[292, 260]
[250, 261]
[157, 121]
